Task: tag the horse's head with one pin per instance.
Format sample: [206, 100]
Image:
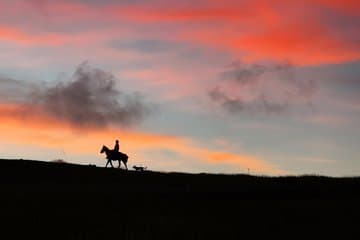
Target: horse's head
[103, 149]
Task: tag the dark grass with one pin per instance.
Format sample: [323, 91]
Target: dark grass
[68, 201]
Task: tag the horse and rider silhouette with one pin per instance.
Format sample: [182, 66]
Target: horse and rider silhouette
[115, 155]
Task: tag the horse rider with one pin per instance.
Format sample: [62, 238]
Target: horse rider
[116, 147]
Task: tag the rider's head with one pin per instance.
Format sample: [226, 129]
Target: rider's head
[117, 141]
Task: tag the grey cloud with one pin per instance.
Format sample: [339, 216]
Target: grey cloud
[233, 105]
[249, 74]
[272, 88]
[12, 90]
[90, 98]
[272, 107]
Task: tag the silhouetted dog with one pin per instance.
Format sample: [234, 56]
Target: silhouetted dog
[139, 169]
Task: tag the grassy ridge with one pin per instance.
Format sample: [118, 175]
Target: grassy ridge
[65, 201]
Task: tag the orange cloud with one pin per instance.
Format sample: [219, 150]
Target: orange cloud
[17, 36]
[297, 31]
[141, 14]
[40, 130]
[310, 45]
[30, 38]
[259, 30]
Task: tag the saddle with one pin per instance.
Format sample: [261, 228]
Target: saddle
[117, 155]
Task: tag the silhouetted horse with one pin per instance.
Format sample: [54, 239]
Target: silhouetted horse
[114, 156]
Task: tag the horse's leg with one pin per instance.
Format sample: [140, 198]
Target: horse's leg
[125, 165]
[112, 166]
[119, 163]
[107, 163]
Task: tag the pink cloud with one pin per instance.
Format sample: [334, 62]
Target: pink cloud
[295, 31]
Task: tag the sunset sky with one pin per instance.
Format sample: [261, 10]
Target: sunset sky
[217, 86]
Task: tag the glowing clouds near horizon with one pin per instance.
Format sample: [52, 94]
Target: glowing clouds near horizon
[41, 132]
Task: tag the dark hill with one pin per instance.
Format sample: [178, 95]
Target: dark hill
[68, 201]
